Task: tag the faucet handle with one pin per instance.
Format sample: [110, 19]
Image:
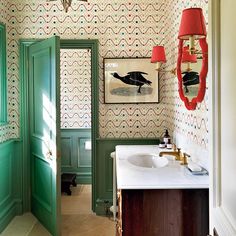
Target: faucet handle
[187, 155]
[174, 147]
[185, 159]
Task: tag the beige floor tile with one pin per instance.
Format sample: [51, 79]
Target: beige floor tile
[78, 203]
[20, 225]
[39, 230]
[87, 225]
[78, 218]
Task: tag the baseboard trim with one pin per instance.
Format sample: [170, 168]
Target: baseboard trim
[83, 179]
[13, 209]
[103, 206]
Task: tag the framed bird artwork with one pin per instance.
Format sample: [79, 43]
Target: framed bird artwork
[130, 80]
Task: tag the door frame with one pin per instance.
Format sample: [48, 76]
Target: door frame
[217, 212]
[214, 73]
[91, 44]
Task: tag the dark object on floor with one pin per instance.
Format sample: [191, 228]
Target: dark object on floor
[67, 179]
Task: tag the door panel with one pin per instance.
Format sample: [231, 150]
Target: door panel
[42, 189]
[44, 117]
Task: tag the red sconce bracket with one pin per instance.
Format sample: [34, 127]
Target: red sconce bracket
[191, 105]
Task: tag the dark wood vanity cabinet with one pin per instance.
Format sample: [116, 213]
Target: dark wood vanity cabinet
[163, 212]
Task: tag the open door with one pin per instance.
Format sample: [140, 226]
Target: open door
[44, 132]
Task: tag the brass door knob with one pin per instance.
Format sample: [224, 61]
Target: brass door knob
[49, 154]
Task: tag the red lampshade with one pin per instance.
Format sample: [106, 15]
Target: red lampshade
[192, 23]
[158, 54]
[186, 57]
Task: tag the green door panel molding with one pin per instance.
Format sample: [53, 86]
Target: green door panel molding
[84, 160]
[10, 182]
[44, 132]
[74, 157]
[3, 77]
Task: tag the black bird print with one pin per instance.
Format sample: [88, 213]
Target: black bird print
[190, 78]
[133, 78]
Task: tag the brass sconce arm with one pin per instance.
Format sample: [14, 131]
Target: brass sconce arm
[173, 71]
[66, 3]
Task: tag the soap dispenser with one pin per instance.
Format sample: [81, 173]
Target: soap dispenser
[166, 137]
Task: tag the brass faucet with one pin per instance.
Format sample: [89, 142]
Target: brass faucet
[177, 153]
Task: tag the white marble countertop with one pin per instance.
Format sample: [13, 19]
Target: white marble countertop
[172, 176]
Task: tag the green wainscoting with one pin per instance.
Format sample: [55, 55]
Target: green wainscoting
[104, 173]
[10, 182]
[74, 157]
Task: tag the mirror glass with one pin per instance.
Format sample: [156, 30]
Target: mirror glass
[190, 75]
[191, 72]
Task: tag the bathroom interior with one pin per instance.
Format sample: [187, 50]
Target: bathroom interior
[75, 103]
[102, 140]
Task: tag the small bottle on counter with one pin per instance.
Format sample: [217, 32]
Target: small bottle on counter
[166, 137]
[169, 145]
[162, 145]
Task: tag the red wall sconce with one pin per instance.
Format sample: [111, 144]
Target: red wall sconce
[192, 27]
[158, 57]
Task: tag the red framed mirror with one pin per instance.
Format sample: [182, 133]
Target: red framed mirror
[191, 92]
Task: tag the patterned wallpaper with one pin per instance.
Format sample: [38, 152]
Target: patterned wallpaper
[75, 88]
[124, 29]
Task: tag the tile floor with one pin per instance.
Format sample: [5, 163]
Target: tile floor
[77, 219]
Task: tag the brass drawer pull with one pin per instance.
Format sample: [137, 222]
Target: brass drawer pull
[119, 229]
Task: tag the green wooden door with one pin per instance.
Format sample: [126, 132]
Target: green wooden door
[44, 117]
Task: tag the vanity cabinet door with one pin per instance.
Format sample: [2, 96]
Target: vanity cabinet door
[151, 213]
[163, 212]
[132, 213]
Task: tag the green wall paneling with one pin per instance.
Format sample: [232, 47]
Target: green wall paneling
[10, 182]
[74, 157]
[104, 173]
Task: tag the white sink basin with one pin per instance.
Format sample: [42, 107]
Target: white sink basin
[148, 160]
